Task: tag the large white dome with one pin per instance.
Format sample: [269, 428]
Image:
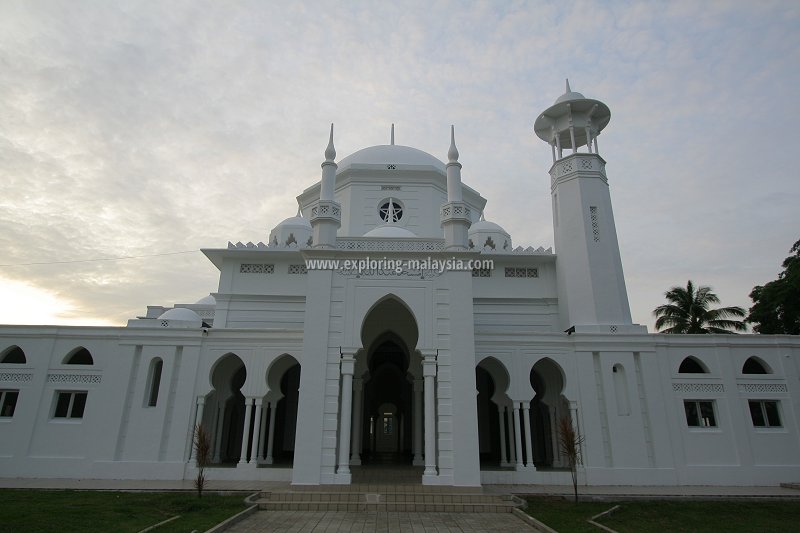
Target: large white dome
[391, 154]
[390, 231]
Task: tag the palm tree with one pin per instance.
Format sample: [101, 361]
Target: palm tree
[688, 312]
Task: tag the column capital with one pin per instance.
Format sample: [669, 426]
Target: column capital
[348, 366]
[201, 400]
[429, 367]
[427, 353]
[349, 351]
[258, 400]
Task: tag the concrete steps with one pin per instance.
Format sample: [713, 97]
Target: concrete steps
[400, 498]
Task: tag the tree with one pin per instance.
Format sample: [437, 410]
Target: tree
[688, 312]
[776, 305]
[202, 454]
[570, 442]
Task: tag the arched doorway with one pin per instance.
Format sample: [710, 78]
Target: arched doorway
[387, 395]
[225, 409]
[495, 438]
[388, 406]
[279, 415]
[548, 406]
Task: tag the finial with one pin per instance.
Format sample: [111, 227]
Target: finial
[392, 143]
[330, 151]
[483, 218]
[452, 153]
[390, 213]
[299, 213]
[568, 89]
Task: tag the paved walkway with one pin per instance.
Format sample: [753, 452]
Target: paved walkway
[334, 521]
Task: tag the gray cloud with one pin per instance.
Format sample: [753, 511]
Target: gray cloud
[138, 128]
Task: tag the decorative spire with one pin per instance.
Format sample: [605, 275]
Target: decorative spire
[568, 89]
[299, 212]
[483, 218]
[330, 151]
[452, 153]
[392, 143]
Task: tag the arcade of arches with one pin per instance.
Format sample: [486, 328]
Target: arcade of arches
[514, 433]
[253, 430]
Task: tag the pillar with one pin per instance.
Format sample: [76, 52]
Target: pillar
[501, 419]
[429, 373]
[526, 419]
[355, 440]
[248, 409]
[345, 414]
[518, 437]
[417, 421]
[262, 431]
[271, 433]
[257, 403]
[218, 423]
[512, 452]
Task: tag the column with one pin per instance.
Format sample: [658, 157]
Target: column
[526, 418]
[418, 461]
[263, 430]
[248, 409]
[218, 423]
[355, 439]
[518, 437]
[256, 431]
[501, 419]
[270, 434]
[429, 373]
[345, 413]
[512, 452]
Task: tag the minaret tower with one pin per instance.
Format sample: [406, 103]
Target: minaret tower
[455, 214]
[326, 214]
[591, 285]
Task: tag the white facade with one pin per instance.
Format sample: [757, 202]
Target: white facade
[315, 372]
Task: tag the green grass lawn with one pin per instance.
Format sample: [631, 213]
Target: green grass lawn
[88, 511]
[669, 516]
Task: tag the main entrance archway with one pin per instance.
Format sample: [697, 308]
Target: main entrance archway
[387, 392]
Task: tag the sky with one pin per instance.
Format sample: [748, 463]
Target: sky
[144, 128]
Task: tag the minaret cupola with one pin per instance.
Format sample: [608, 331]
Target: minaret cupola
[326, 213]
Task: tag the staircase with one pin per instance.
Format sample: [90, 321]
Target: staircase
[387, 498]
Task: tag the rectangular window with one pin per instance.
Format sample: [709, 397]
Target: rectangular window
[700, 413]
[765, 414]
[70, 404]
[8, 403]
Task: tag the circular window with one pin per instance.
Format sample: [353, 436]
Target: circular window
[390, 211]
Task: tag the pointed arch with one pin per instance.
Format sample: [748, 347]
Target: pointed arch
[692, 365]
[78, 356]
[756, 365]
[390, 314]
[13, 355]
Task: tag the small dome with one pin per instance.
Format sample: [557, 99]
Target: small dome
[390, 231]
[298, 222]
[571, 95]
[294, 231]
[485, 225]
[182, 314]
[206, 300]
[485, 235]
[390, 154]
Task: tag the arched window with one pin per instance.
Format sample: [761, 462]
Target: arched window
[692, 365]
[79, 356]
[13, 355]
[754, 365]
[154, 381]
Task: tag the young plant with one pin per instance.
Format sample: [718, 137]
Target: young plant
[570, 442]
[202, 455]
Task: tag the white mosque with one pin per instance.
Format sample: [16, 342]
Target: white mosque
[390, 324]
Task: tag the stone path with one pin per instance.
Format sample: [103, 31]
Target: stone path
[387, 522]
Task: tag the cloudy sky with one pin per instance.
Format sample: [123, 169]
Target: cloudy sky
[132, 129]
